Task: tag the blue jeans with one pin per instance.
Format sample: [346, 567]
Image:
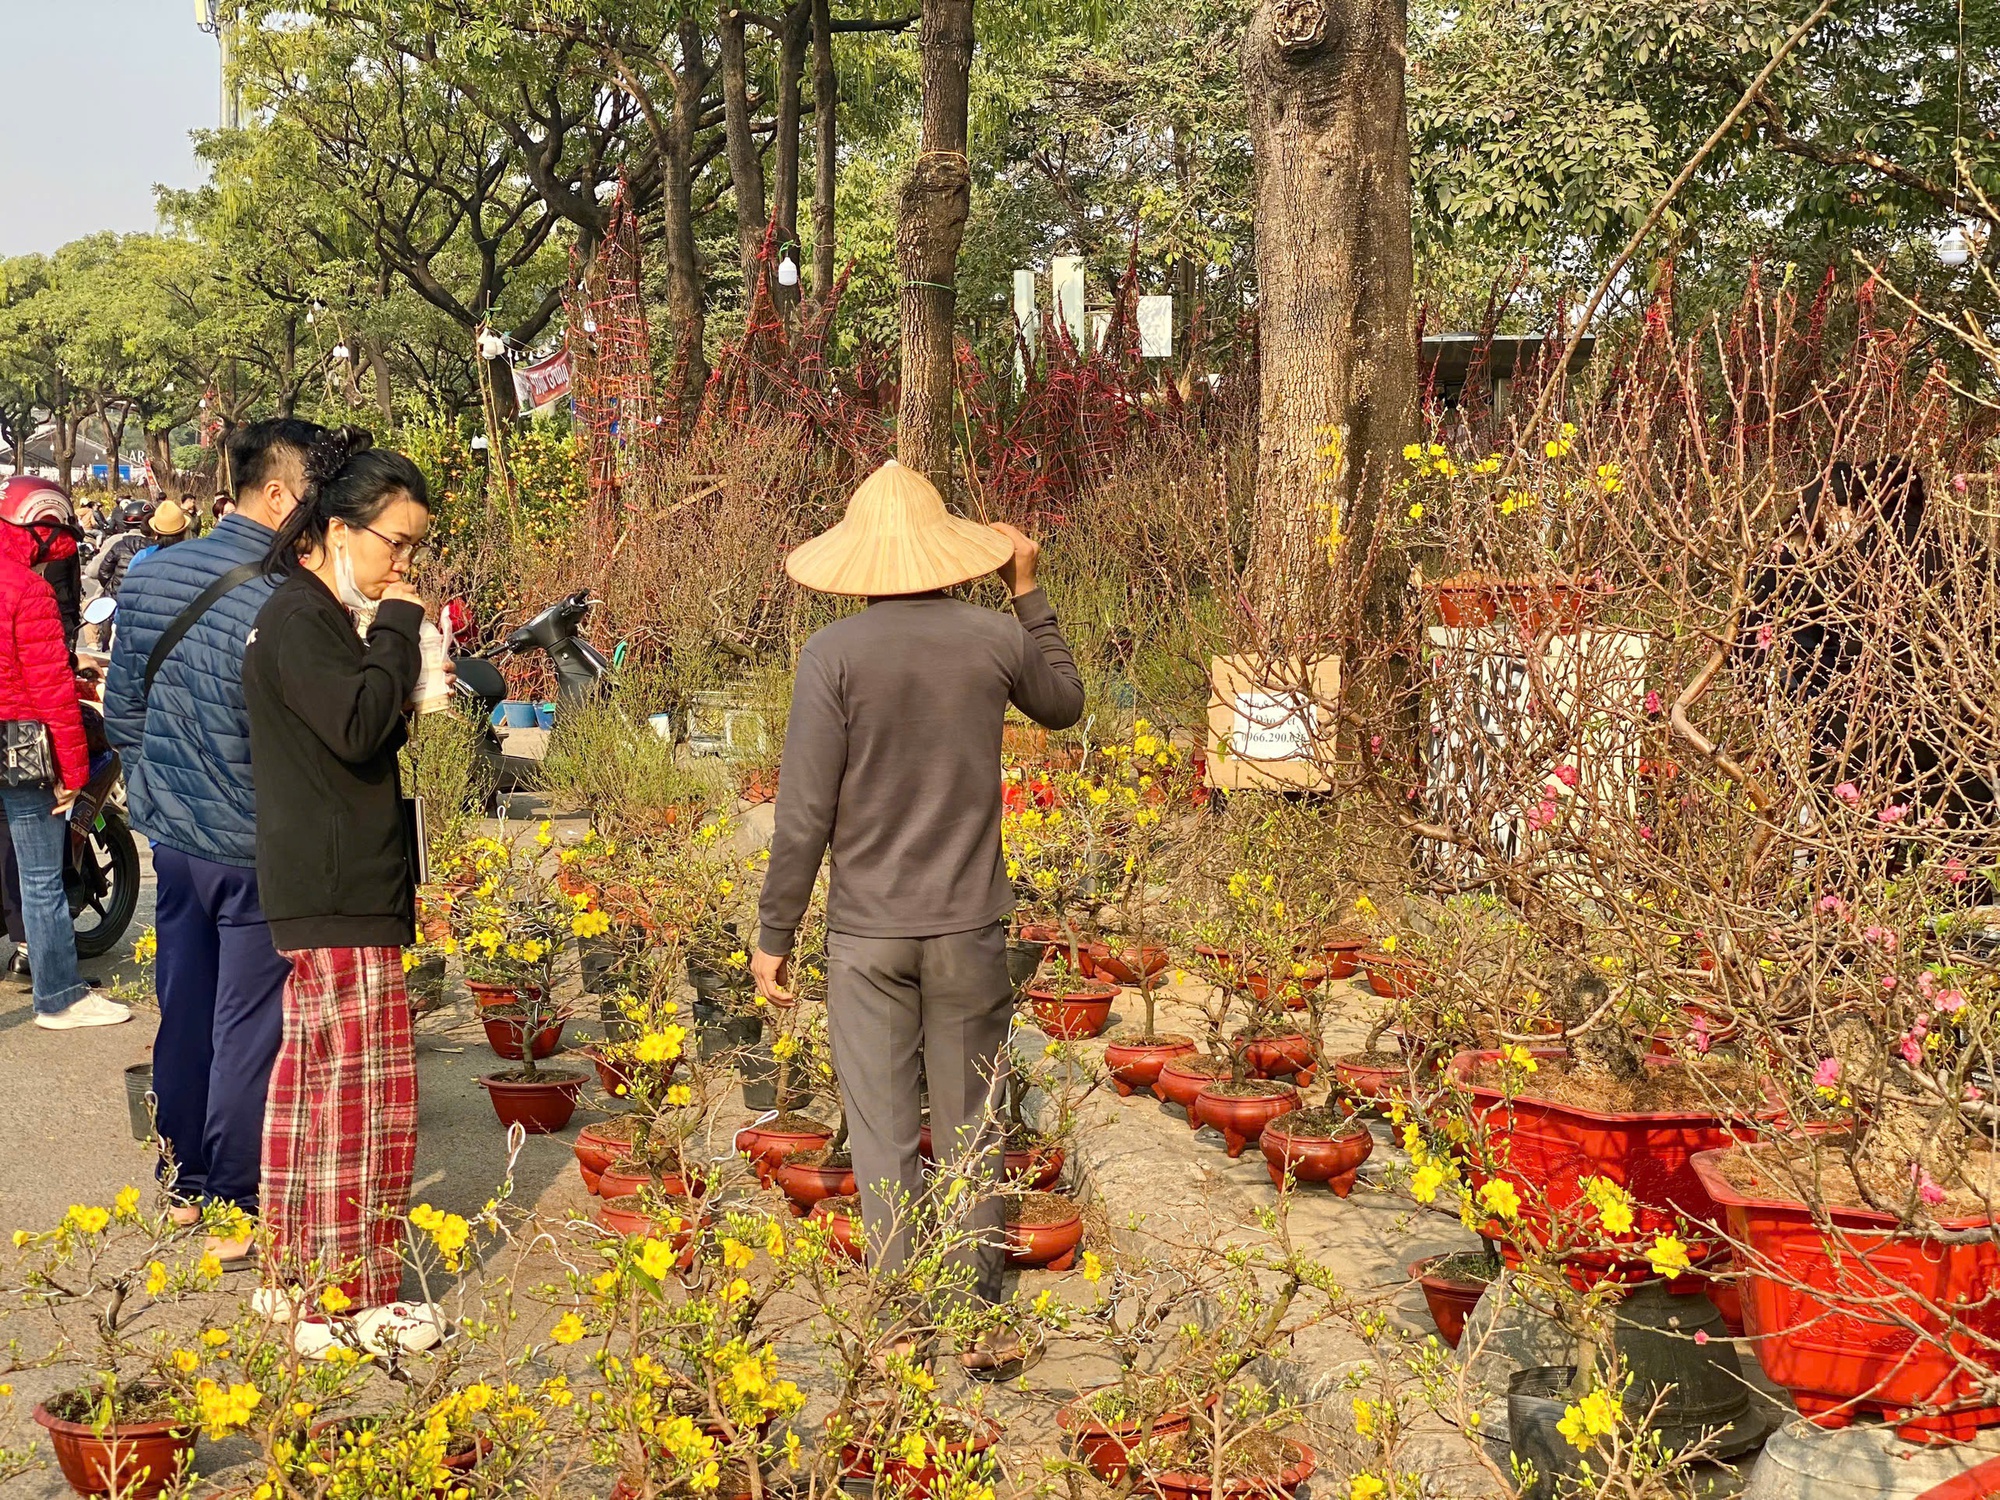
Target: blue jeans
[41, 846]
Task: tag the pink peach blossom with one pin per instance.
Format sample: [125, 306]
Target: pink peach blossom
[1568, 776]
[1653, 704]
[1848, 792]
[1950, 1001]
[1827, 1074]
[1893, 813]
[1954, 870]
[1927, 1189]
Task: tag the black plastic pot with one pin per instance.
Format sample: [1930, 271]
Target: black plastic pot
[600, 960]
[719, 1030]
[1537, 1397]
[1023, 959]
[140, 1100]
[424, 984]
[760, 1082]
[618, 1027]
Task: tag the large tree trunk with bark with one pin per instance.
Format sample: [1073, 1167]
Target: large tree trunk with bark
[385, 391]
[1336, 339]
[930, 224]
[684, 291]
[746, 163]
[826, 89]
[160, 454]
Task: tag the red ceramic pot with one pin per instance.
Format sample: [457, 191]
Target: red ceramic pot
[840, 1216]
[1805, 1306]
[1107, 1446]
[1133, 966]
[493, 996]
[1082, 1012]
[542, 1107]
[625, 1179]
[767, 1146]
[597, 1147]
[1468, 600]
[1257, 984]
[893, 1474]
[1136, 1065]
[625, 1489]
[1185, 1484]
[1340, 952]
[133, 1460]
[1090, 958]
[1222, 959]
[1287, 1056]
[806, 1183]
[616, 1078]
[1547, 1149]
[1026, 1167]
[1242, 1120]
[1376, 1084]
[1450, 1300]
[1184, 1077]
[1394, 977]
[504, 1034]
[629, 1217]
[1540, 602]
[1313, 1156]
[1049, 1245]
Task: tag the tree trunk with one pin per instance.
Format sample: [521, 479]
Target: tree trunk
[746, 163]
[826, 89]
[160, 454]
[785, 154]
[385, 394]
[930, 224]
[1337, 356]
[684, 292]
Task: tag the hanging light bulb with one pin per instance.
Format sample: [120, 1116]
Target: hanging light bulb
[788, 271]
[605, 191]
[311, 318]
[340, 352]
[479, 443]
[590, 325]
[1954, 247]
[491, 345]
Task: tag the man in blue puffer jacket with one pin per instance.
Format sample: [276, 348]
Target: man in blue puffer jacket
[186, 747]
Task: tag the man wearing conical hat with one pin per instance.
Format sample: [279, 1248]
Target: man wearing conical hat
[892, 761]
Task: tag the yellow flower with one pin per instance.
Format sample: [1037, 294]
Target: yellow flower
[680, 1094]
[215, 1338]
[1613, 1207]
[1417, 511]
[736, 1254]
[1389, 943]
[1093, 1268]
[774, 1241]
[736, 1291]
[1498, 1197]
[1426, 1181]
[656, 1258]
[590, 924]
[1413, 452]
[209, 1268]
[186, 1361]
[1363, 906]
[335, 1301]
[660, 1046]
[126, 1204]
[1668, 1256]
[1518, 1056]
[88, 1218]
[1364, 1487]
[569, 1330]
[21, 1237]
[156, 1278]
[912, 1450]
[1364, 1418]
[1590, 1419]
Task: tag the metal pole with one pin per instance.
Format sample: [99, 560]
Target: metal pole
[232, 100]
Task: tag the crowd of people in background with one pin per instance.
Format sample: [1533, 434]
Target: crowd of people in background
[259, 672]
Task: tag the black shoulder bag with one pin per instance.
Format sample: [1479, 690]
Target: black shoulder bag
[206, 600]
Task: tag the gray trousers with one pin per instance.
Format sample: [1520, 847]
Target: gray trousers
[946, 1000]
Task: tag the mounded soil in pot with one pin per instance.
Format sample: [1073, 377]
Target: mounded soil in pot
[1691, 1088]
[1037, 1210]
[1255, 1462]
[1318, 1124]
[821, 1157]
[1789, 1172]
[1251, 1088]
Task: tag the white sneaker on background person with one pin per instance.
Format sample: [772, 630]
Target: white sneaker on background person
[94, 1009]
[411, 1327]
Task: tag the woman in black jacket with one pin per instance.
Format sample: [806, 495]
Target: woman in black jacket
[333, 868]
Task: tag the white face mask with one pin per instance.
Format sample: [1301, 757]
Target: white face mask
[349, 591]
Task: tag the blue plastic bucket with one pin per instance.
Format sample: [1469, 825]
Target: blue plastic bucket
[515, 713]
[545, 715]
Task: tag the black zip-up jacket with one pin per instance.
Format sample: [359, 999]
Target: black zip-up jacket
[326, 720]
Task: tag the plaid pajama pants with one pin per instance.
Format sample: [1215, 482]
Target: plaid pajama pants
[340, 1126]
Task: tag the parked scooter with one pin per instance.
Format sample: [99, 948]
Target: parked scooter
[582, 676]
[101, 875]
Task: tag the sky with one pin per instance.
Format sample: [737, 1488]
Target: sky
[100, 97]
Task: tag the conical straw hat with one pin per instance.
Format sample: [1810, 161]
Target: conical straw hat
[897, 538]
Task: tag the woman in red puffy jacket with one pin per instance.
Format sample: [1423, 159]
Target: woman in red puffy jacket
[37, 686]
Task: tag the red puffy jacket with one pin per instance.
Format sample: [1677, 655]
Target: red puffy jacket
[35, 677]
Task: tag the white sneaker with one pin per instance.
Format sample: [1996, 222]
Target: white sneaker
[313, 1337]
[411, 1327]
[274, 1304]
[93, 1009]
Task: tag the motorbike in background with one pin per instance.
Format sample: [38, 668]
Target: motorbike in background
[583, 675]
[101, 874]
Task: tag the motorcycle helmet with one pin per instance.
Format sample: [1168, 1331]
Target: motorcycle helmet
[28, 501]
[131, 515]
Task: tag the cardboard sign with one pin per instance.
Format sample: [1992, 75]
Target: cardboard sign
[1270, 724]
[539, 384]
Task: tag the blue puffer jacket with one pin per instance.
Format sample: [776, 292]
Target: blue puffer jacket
[187, 753]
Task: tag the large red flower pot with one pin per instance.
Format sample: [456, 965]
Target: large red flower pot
[860, 1459]
[1242, 1118]
[133, 1459]
[623, 1180]
[807, 1182]
[1546, 1149]
[1180, 1080]
[1136, 1065]
[1312, 1155]
[634, 1220]
[1025, 1167]
[1805, 1307]
[1188, 1484]
[507, 1034]
[1294, 988]
[597, 1147]
[1133, 966]
[1451, 1299]
[1082, 1012]
[1288, 1056]
[1340, 952]
[494, 996]
[842, 1216]
[1394, 977]
[1364, 1082]
[1107, 1446]
[540, 1106]
[768, 1145]
[1052, 1244]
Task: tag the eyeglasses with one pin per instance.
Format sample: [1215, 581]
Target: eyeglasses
[401, 551]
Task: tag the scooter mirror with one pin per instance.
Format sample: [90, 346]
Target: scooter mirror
[480, 677]
[100, 609]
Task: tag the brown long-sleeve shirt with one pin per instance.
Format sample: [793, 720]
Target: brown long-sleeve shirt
[892, 757]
